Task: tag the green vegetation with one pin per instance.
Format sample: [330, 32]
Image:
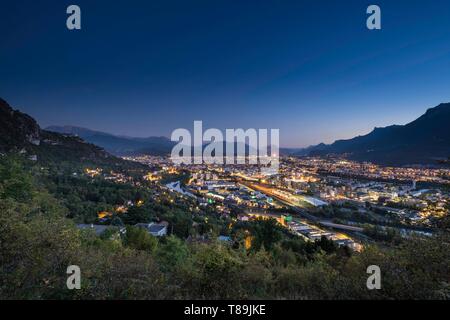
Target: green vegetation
[39, 240]
[385, 234]
[140, 239]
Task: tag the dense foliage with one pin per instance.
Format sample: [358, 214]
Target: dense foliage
[38, 242]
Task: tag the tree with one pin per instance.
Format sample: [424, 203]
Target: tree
[266, 232]
[140, 239]
[137, 215]
[212, 271]
[171, 253]
[34, 253]
[16, 183]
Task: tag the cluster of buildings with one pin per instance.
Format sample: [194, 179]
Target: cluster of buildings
[393, 191]
[116, 177]
[314, 233]
[370, 170]
[306, 183]
[154, 229]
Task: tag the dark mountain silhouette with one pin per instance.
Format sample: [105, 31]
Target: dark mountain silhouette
[20, 133]
[17, 130]
[119, 145]
[423, 141]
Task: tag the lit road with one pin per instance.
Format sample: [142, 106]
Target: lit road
[283, 199]
[340, 226]
[294, 205]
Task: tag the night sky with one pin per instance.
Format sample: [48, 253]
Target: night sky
[144, 68]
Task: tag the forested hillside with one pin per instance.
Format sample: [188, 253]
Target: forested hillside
[38, 242]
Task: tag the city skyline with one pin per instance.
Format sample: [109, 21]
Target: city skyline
[312, 70]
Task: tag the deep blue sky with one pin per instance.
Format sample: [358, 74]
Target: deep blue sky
[310, 68]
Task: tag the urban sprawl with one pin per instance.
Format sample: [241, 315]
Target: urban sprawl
[341, 200]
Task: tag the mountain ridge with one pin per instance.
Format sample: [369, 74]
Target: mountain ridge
[425, 140]
[119, 145]
[124, 145]
[20, 133]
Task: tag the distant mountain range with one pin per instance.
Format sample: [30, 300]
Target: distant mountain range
[20, 133]
[423, 141]
[122, 146]
[119, 145]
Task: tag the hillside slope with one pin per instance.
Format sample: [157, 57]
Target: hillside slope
[20, 133]
[119, 145]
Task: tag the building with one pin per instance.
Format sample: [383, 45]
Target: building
[155, 229]
[225, 239]
[99, 229]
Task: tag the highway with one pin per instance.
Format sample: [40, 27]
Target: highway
[294, 206]
[340, 226]
[268, 192]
